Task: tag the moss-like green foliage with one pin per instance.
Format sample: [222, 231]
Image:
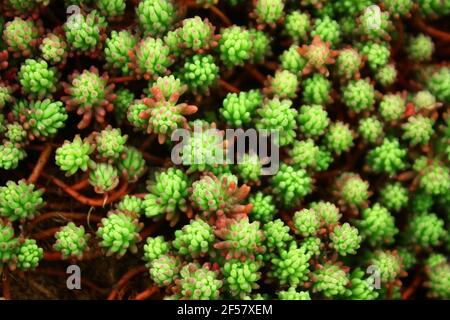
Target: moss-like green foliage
[394, 196]
[110, 143]
[71, 241]
[331, 280]
[83, 32]
[284, 84]
[292, 60]
[424, 100]
[276, 234]
[240, 238]
[293, 294]
[345, 239]
[269, 11]
[377, 225]
[20, 200]
[438, 272]
[117, 51]
[131, 204]
[263, 207]
[119, 232]
[388, 264]
[358, 95]
[435, 179]
[377, 54]
[104, 177]
[15, 133]
[313, 120]
[164, 269]
[111, 8]
[420, 48]
[392, 107]
[200, 72]
[168, 192]
[198, 283]
[279, 115]
[290, 185]
[21, 36]
[132, 164]
[260, 45]
[194, 239]
[240, 278]
[8, 244]
[154, 248]
[327, 29]
[439, 84]
[328, 213]
[197, 34]
[426, 230]
[238, 109]
[249, 168]
[353, 189]
[155, 17]
[297, 25]
[362, 287]
[389, 157]
[306, 222]
[370, 129]
[235, 46]
[29, 254]
[418, 130]
[74, 155]
[152, 58]
[339, 137]
[291, 266]
[10, 155]
[304, 154]
[53, 49]
[386, 75]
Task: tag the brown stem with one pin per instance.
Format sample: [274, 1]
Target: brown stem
[288, 220]
[6, 286]
[150, 229]
[228, 86]
[154, 159]
[45, 234]
[63, 215]
[439, 34]
[124, 280]
[226, 21]
[122, 79]
[80, 185]
[412, 287]
[109, 198]
[146, 293]
[255, 74]
[42, 161]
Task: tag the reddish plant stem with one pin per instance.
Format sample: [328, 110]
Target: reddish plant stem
[226, 21]
[6, 285]
[150, 229]
[399, 43]
[122, 79]
[45, 234]
[227, 86]
[109, 198]
[412, 287]
[154, 159]
[80, 184]
[42, 161]
[146, 293]
[57, 273]
[139, 195]
[57, 256]
[255, 74]
[288, 220]
[63, 215]
[124, 280]
[439, 34]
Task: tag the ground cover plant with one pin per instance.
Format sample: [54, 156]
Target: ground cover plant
[356, 93]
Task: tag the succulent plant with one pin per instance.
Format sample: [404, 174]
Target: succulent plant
[71, 241]
[74, 155]
[20, 200]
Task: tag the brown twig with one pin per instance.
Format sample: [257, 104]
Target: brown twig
[255, 74]
[412, 287]
[45, 234]
[42, 161]
[439, 34]
[150, 229]
[122, 79]
[124, 280]
[154, 159]
[226, 21]
[63, 215]
[227, 86]
[80, 185]
[144, 295]
[107, 199]
[6, 286]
